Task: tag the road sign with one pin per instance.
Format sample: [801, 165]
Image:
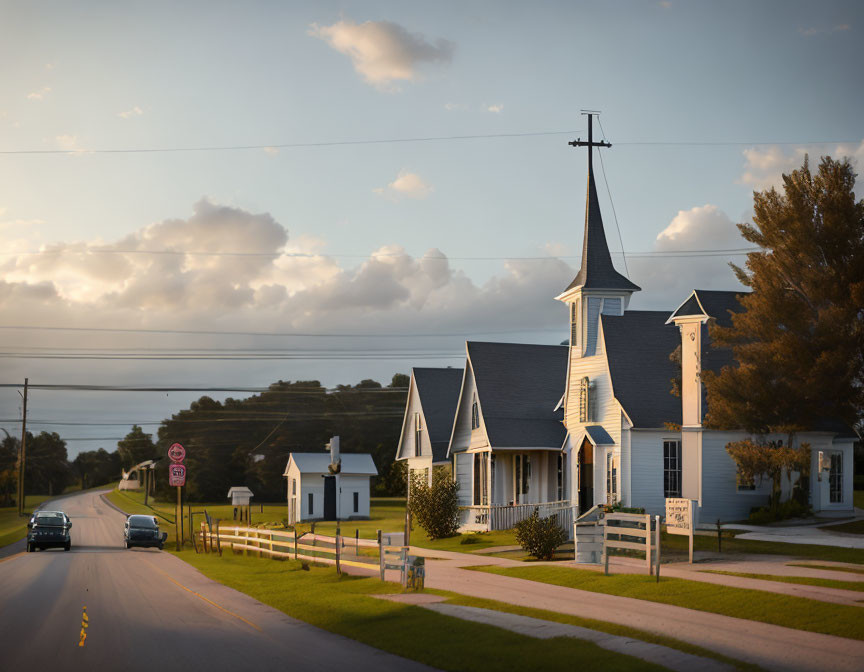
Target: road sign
[176, 452]
[177, 475]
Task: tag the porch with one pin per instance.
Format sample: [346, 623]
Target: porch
[492, 517]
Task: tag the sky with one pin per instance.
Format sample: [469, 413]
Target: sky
[317, 182]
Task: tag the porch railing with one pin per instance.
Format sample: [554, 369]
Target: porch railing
[504, 517]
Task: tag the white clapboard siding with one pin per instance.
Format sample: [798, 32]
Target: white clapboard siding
[463, 464]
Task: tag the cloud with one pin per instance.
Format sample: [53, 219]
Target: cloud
[406, 185]
[383, 52]
[271, 151]
[765, 166]
[813, 30]
[131, 112]
[495, 109]
[69, 142]
[455, 106]
[39, 94]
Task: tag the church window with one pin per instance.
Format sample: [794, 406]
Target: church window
[671, 468]
[587, 401]
[475, 414]
[574, 324]
[418, 434]
[611, 478]
[592, 320]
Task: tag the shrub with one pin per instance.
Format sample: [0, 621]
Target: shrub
[540, 536]
[470, 539]
[791, 508]
[435, 507]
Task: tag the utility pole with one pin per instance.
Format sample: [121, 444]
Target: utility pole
[590, 144]
[22, 453]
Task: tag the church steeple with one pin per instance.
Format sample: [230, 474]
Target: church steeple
[597, 271]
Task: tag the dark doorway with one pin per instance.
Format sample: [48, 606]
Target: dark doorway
[586, 476]
[329, 498]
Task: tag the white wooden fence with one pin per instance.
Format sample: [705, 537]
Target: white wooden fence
[632, 531]
[286, 544]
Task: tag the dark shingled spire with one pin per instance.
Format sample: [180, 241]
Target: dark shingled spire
[597, 270]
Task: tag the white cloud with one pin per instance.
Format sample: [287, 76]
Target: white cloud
[406, 185]
[39, 94]
[272, 151]
[495, 109]
[134, 111]
[450, 107]
[765, 166]
[383, 52]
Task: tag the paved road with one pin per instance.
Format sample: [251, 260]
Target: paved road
[150, 611]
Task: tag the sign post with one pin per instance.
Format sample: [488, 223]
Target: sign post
[177, 477]
[680, 519]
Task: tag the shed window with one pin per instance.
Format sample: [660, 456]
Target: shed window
[671, 468]
[311, 508]
[835, 479]
[356, 502]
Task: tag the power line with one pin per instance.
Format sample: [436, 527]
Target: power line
[611, 201]
[283, 145]
[226, 388]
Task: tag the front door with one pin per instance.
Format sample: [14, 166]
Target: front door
[329, 498]
[586, 476]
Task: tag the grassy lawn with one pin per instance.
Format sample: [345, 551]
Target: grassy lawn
[343, 605]
[800, 580]
[858, 499]
[853, 527]
[755, 605]
[830, 568]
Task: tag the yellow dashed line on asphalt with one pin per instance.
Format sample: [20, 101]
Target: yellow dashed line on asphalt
[85, 622]
[200, 596]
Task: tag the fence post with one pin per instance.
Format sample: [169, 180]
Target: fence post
[719, 536]
[657, 543]
[381, 554]
[403, 558]
[338, 551]
[357, 542]
[606, 548]
[218, 540]
[295, 542]
[648, 543]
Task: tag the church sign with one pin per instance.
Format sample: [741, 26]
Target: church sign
[680, 518]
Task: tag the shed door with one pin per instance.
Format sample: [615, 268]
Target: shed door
[329, 498]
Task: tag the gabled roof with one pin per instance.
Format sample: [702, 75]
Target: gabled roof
[711, 303]
[242, 490]
[438, 390]
[518, 386]
[318, 463]
[597, 271]
[637, 345]
[599, 436]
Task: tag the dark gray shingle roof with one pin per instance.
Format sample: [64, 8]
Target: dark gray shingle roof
[638, 345]
[518, 386]
[597, 271]
[599, 436]
[439, 394]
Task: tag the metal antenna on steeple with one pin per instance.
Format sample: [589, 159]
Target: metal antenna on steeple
[590, 144]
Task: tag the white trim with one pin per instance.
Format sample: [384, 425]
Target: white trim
[411, 386]
[705, 314]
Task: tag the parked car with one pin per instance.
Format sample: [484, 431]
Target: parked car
[143, 531]
[48, 529]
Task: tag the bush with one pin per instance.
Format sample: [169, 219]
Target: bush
[791, 508]
[435, 507]
[540, 536]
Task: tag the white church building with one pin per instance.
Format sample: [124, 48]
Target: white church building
[594, 421]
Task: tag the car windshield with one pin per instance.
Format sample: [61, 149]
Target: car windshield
[51, 519]
[142, 521]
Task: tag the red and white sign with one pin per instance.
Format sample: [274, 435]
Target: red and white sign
[177, 475]
[176, 452]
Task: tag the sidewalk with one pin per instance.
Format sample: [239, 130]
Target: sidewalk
[811, 533]
[769, 646]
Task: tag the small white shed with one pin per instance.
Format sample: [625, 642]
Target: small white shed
[316, 493]
[240, 496]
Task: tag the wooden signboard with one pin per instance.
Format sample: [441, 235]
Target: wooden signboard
[680, 518]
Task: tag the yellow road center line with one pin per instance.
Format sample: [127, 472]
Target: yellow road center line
[84, 625]
[200, 596]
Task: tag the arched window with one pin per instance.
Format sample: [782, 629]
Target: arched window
[584, 387]
[475, 414]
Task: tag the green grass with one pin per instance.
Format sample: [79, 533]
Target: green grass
[830, 568]
[592, 624]
[344, 605]
[800, 580]
[852, 527]
[858, 499]
[674, 547]
[755, 605]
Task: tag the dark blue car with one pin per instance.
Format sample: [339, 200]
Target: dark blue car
[48, 529]
[143, 531]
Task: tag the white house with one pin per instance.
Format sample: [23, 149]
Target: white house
[507, 433]
[428, 422]
[327, 486]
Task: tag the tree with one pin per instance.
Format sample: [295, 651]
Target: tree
[96, 467]
[47, 468]
[798, 343]
[435, 507]
[539, 537]
[8, 469]
[136, 447]
[400, 380]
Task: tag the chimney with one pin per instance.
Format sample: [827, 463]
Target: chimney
[334, 450]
